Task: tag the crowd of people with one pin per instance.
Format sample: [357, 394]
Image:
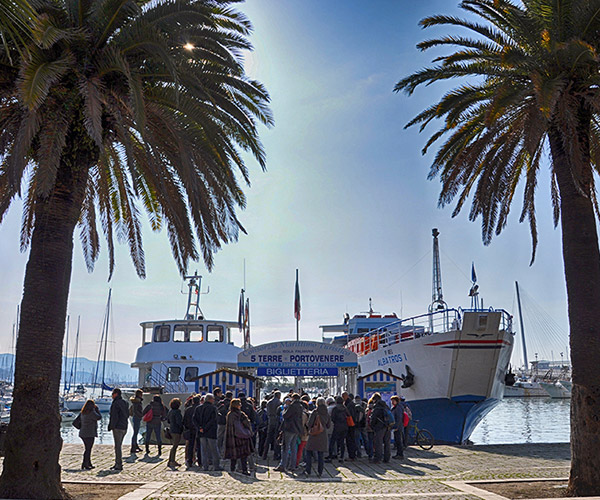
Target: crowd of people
[300, 431]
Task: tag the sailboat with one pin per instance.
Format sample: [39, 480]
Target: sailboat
[103, 402]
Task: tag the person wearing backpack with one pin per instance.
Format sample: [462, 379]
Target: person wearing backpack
[360, 433]
[318, 423]
[135, 412]
[381, 423]
[339, 416]
[159, 414]
[350, 435]
[398, 429]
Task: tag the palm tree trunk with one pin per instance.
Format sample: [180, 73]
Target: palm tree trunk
[581, 258]
[33, 442]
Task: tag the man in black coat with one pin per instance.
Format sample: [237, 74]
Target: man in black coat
[192, 444]
[205, 420]
[273, 413]
[119, 413]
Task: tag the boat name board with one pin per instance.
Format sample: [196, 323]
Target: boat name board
[297, 354]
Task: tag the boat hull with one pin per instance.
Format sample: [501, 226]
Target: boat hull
[556, 390]
[458, 374]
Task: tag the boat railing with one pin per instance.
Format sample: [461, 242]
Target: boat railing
[403, 330]
[159, 378]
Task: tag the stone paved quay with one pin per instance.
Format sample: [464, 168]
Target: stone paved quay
[421, 474]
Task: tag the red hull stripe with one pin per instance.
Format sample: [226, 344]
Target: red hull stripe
[468, 342]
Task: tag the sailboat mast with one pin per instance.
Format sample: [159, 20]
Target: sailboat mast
[73, 374]
[105, 334]
[66, 356]
[522, 328]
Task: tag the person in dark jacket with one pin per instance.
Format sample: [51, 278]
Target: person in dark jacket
[159, 414]
[381, 425]
[205, 420]
[292, 429]
[135, 412]
[360, 433]
[192, 444]
[262, 424]
[119, 414]
[238, 446]
[350, 437]
[89, 430]
[340, 430]
[175, 420]
[273, 412]
[317, 443]
[222, 410]
[398, 429]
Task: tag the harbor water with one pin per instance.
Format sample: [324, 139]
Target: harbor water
[514, 420]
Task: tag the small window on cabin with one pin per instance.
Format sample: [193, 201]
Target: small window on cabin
[147, 334]
[161, 333]
[195, 333]
[173, 373]
[179, 333]
[482, 322]
[214, 333]
[191, 372]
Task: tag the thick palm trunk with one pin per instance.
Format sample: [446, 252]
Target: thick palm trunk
[33, 442]
[582, 272]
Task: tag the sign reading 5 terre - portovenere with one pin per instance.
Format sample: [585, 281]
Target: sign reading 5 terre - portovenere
[297, 359]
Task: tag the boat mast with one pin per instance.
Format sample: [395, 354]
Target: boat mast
[105, 335]
[66, 355]
[522, 328]
[194, 288]
[437, 298]
[73, 374]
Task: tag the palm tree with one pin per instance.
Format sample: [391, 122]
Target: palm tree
[533, 80]
[110, 115]
[15, 19]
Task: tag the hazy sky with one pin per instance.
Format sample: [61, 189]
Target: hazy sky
[345, 198]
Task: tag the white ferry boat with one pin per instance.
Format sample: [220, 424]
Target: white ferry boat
[453, 361]
[175, 352]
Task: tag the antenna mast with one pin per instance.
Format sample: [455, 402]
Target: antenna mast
[437, 298]
[193, 310]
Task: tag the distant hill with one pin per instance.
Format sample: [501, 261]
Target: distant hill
[115, 372]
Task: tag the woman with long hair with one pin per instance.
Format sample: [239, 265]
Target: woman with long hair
[89, 430]
[238, 436]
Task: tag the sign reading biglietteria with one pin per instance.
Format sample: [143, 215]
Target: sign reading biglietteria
[297, 359]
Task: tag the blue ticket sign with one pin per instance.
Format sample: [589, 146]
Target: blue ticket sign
[262, 371]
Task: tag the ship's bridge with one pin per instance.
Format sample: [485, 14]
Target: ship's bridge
[175, 352]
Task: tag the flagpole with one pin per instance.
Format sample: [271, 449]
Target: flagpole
[297, 316]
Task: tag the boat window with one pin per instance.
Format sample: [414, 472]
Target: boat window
[214, 333]
[147, 334]
[179, 333]
[173, 373]
[161, 333]
[482, 323]
[191, 372]
[195, 333]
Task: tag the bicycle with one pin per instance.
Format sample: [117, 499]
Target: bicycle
[422, 437]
